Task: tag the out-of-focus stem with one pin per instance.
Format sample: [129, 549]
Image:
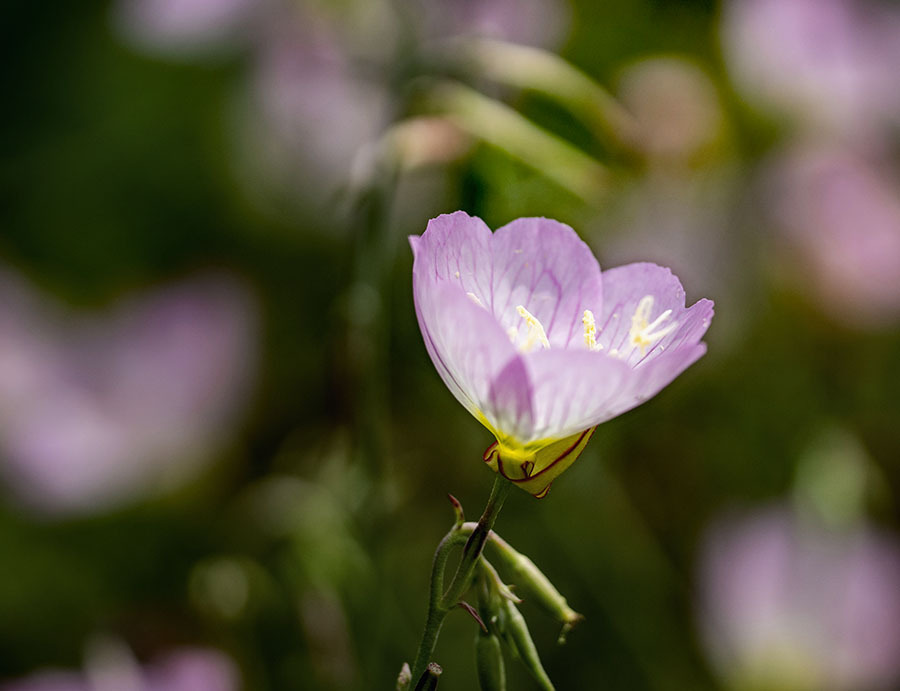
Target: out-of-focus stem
[501, 126]
[526, 67]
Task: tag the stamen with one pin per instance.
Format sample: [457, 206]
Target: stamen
[474, 298]
[643, 333]
[590, 331]
[536, 333]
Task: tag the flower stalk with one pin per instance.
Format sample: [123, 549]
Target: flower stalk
[440, 602]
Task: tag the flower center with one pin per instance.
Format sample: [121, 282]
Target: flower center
[534, 336]
[645, 333]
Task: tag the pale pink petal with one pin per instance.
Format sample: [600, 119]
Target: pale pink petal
[544, 266]
[456, 248]
[623, 288]
[574, 390]
[578, 389]
[472, 353]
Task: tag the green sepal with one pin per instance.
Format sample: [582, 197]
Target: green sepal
[517, 638]
[535, 466]
[489, 662]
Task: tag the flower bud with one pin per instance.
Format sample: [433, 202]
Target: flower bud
[518, 639]
[489, 662]
[532, 583]
[403, 678]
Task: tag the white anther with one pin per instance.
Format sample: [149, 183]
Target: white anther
[643, 332]
[474, 298]
[590, 331]
[535, 334]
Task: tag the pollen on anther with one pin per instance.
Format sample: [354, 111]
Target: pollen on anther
[643, 332]
[590, 331]
[536, 334]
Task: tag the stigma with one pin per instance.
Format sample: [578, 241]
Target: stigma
[644, 333]
[534, 336]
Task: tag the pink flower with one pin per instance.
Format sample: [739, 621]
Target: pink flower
[537, 345]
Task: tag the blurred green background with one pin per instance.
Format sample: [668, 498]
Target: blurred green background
[245, 157]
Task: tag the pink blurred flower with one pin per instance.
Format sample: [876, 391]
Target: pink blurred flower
[841, 218]
[532, 22]
[98, 410]
[184, 669]
[827, 63]
[183, 28]
[790, 605]
[321, 81]
[309, 109]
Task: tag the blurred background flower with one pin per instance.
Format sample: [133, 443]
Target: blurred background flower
[789, 604]
[826, 64]
[110, 665]
[840, 217]
[219, 429]
[97, 410]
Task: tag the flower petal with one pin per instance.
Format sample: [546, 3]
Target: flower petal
[578, 389]
[472, 354]
[623, 289]
[456, 248]
[574, 390]
[544, 266]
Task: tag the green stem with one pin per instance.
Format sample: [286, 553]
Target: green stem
[462, 579]
[439, 602]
